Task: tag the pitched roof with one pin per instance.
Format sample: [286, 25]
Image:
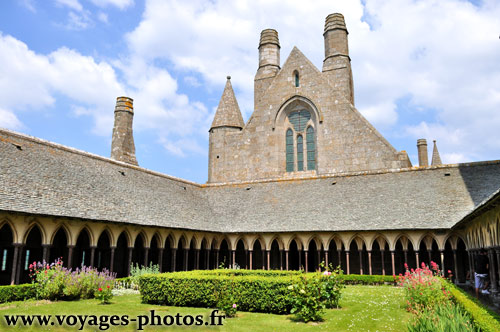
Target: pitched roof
[228, 112]
[436, 159]
[39, 177]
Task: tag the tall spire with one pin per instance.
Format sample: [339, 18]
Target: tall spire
[228, 112]
[436, 159]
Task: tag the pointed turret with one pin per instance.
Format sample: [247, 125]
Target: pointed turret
[228, 112]
[436, 159]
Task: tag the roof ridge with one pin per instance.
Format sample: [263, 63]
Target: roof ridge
[92, 155]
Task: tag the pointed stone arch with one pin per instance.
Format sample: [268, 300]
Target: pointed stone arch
[6, 221]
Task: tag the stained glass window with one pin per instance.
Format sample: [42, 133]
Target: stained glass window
[311, 149]
[300, 153]
[299, 119]
[289, 151]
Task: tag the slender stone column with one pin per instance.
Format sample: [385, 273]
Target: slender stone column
[146, 256]
[15, 261]
[370, 262]
[347, 261]
[185, 252]
[339, 254]
[263, 259]
[160, 259]
[281, 259]
[250, 258]
[306, 260]
[197, 259]
[300, 258]
[286, 259]
[406, 256]
[382, 252]
[268, 252]
[318, 255]
[92, 254]
[417, 259]
[174, 259]
[19, 263]
[69, 263]
[326, 258]
[443, 268]
[393, 263]
[129, 259]
[429, 253]
[233, 258]
[112, 259]
[456, 265]
[246, 258]
[493, 275]
[207, 257]
[46, 253]
[360, 251]
[217, 258]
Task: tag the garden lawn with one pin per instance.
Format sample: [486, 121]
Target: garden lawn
[364, 308]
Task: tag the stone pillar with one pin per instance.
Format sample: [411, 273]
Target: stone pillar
[246, 259]
[174, 259]
[429, 253]
[326, 259]
[417, 259]
[46, 253]
[492, 268]
[281, 259]
[112, 259]
[160, 259]
[443, 268]
[382, 252]
[216, 258]
[423, 158]
[233, 258]
[129, 259]
[286, 259]
[339, 254]
[185, 256]
[360, 251]
[268, 254]
[207, 257]
[347, 261]
[318, 255]
[15, 262]
[370, 262]
[146, 256]
[456, 265]
[405, 252]
[263, 259]
[393, 263]
[92, 254]
[250, 258]
[300, 259]
[306, 261]
[197, 259]
[19, 263]
[70, 256]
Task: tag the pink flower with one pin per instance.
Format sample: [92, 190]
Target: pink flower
[234, 305]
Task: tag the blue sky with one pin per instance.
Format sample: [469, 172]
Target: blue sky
[422, 69]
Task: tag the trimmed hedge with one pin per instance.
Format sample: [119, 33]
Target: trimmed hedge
[254, 290]
[192, 289]
[17, 293]
[482, 317]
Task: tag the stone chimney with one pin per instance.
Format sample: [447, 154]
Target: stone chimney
[122, 145]
[423, 158]
[337, 63]
[269, 62]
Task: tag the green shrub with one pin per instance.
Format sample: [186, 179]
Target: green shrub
[482, 317]
[331, 287]
[17, 293]
[201, 289]
[306, 294]
[136, 271]
[443, 317]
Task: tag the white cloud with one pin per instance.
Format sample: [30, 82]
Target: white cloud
[9, 120]
[72, 4]
[78, 21]
[103, 17]
[121, 4]
[28, 4]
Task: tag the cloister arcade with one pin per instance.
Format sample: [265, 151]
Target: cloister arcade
[113, 246]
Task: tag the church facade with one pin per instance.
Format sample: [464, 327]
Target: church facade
[306, 179]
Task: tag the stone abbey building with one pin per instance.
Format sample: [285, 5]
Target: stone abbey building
[306, 179]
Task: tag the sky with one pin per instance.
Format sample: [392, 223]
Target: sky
[422, 69]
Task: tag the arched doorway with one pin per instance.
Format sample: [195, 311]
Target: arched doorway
[59, 249]
[275, 256]
[103, 252]
[81, 252]
[167, 254]
[224, 257]
[31, 253]
[154, 251]
[257, 256]
[313, 257]
[121, 258]
[294, 262]
[241, 256]
[138, 251]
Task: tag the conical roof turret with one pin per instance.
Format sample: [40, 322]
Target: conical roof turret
[436, 159]
[228, 112]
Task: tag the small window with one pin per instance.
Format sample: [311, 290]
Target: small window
[289, 151]
[296, 76]
[300, 153]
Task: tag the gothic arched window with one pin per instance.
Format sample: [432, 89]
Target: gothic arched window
[311, 148]
[301, 128]
[289, 151]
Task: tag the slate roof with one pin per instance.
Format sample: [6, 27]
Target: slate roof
[39, 177]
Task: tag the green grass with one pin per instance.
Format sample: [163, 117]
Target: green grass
[364, 308]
